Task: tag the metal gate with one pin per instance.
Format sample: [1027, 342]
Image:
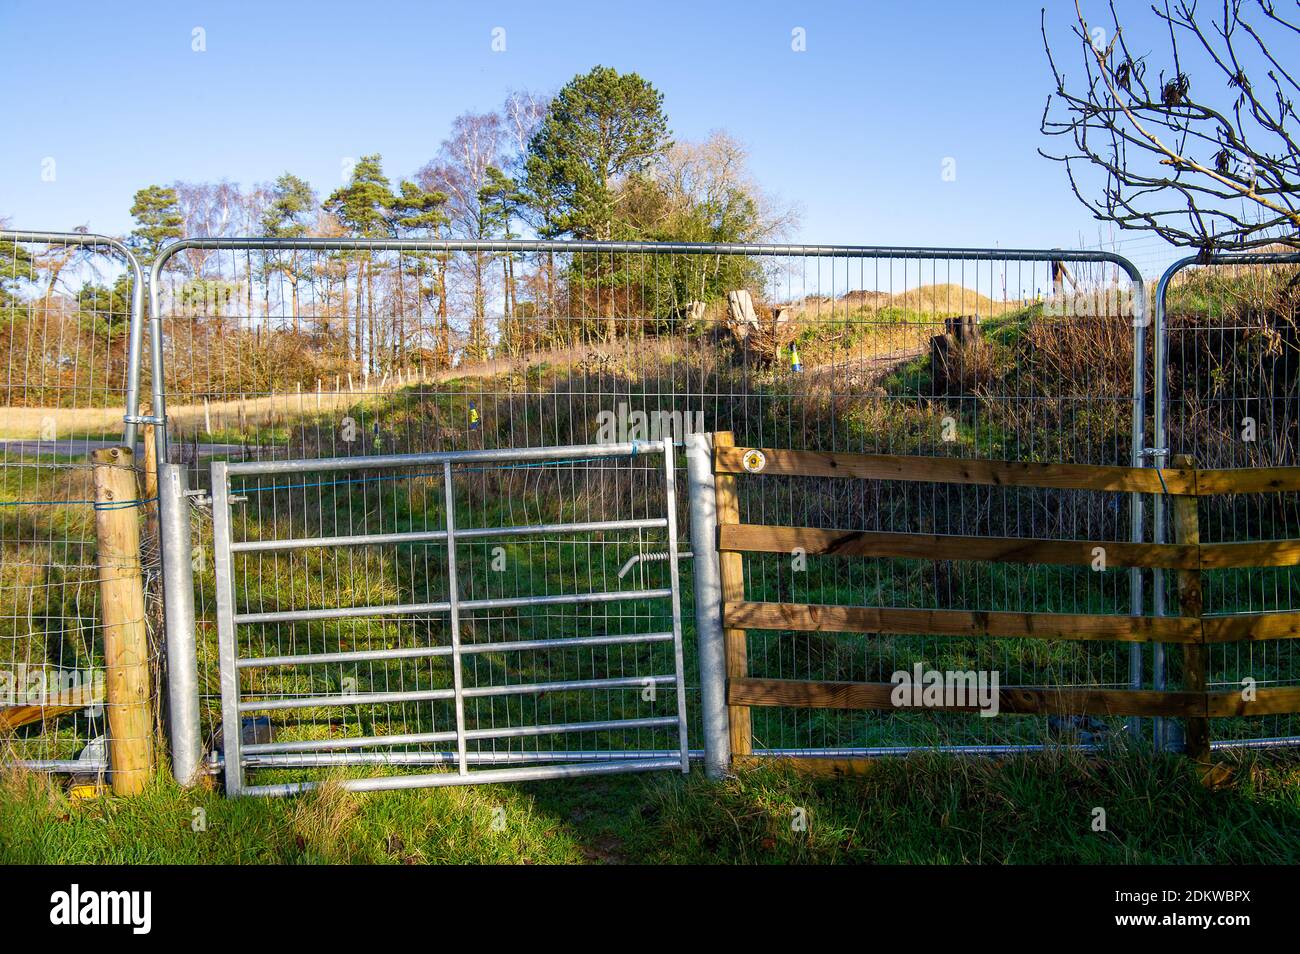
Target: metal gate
[372, 631]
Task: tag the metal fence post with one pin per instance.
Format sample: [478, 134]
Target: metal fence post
[178, 607]
[670, 509]
[708, 604]
[228, 651]
[1138, 458]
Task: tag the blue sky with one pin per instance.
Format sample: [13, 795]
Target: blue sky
[854, 130]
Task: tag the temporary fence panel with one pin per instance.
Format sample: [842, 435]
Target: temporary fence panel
[463, 612]
[1227, 379]
[299, 349]
[70, 333]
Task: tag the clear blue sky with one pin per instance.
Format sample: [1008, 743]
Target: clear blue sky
[854, 130]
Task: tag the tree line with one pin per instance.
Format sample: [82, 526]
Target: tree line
[597, 160]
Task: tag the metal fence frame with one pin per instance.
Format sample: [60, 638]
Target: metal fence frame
[570, 764]
[182, 709]
[131, 413]
[1160, 450]
[183, 674]
[183, 700]
[131, 404]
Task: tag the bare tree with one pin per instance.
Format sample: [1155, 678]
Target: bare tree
[710, 182]
[521, 113]
[208, 210]
[1202, 166]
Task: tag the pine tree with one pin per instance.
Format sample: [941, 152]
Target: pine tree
[158, 219]
[501, 200]
[419, 211]
[602, 125]
[603, 128]
[363, 206]
[293, 201]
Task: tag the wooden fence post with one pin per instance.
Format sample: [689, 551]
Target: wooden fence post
[1187, 531]
[731, 570]
[122, 615]
[150, 481]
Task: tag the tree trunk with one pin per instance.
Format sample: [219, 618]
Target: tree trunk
[370, 316]
[294, 278]
[508, 329]
[360, 324]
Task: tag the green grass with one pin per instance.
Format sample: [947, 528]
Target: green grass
[926, 809]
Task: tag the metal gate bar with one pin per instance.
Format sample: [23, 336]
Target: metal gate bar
[318, 753]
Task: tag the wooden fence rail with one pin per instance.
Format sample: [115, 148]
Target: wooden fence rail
[1191, 630]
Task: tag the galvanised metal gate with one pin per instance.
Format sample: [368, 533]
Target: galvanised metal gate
[381, 629]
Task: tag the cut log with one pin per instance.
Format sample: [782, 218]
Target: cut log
[59, 704]
[762, 333]
[741, 316]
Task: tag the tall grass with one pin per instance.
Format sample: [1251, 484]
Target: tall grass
[1036, 809]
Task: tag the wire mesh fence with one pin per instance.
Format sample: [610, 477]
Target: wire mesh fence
[1232, 366]
[67, 304]
[339, 348]
[316, 349]
[324, 349]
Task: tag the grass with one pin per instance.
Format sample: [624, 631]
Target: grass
[938, 810]
[925, 809]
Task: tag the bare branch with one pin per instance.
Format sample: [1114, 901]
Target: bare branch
[1171, 160]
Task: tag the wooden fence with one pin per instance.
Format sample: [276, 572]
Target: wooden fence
[1186, 556]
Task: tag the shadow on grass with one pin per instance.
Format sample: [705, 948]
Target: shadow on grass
[1039, 809]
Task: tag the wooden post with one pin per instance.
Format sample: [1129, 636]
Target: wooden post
[1187, 530]
[731, 569]
[122, 614]
[150, 481]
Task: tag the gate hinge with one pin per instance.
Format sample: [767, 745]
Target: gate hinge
[1155, 452]
[143, 419]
